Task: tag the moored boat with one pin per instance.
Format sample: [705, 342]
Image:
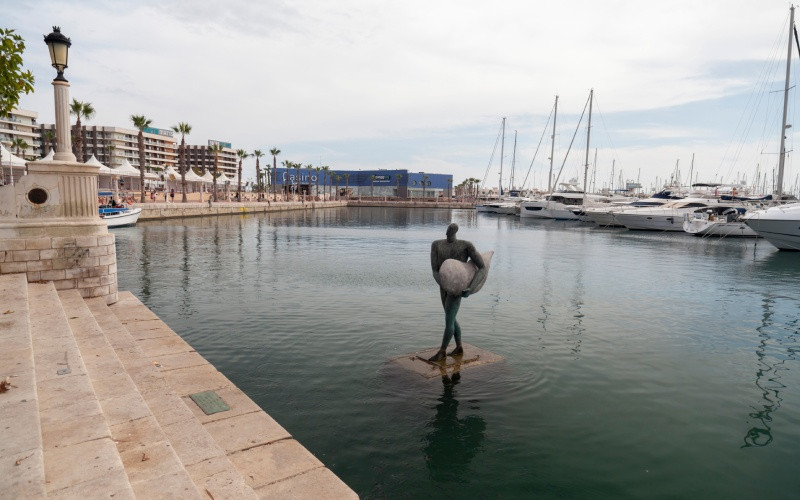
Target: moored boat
[779, 225]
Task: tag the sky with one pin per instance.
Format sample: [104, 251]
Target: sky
[423, 85]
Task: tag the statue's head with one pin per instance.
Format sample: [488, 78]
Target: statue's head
[452, 229]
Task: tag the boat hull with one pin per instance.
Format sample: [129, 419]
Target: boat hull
[700, 227]
[124, 218]
[638, 222]
[778, 225]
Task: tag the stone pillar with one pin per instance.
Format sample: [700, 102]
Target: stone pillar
[63, 135]
[50, 230]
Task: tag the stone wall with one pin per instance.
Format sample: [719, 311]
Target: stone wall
[85, 263]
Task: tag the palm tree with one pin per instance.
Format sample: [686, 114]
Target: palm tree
[182, 128]
[424, 183]
[317, 170]
[141, 123]
[325, 169]
[338, 178]
[399, 176]
[242, 154]
[274, 152]
[297, 166]
[19, 144]
[258, 154]
[111, 149]
[309, 169]
[50, 138]
[86, 110]
[449, 188]
[372, 185]
[346, 185]
[216, 149]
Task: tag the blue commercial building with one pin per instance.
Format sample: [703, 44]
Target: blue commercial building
[353, 183]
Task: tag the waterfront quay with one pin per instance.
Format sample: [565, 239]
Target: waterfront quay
[159, 210]
[107, 400]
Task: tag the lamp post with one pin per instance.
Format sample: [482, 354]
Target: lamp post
[59, 45]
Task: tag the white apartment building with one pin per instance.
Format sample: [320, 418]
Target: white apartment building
[112, 145]
[21, 123]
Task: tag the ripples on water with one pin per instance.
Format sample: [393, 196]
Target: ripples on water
[638, 364]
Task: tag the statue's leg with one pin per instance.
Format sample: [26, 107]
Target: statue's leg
[457, 335]
[451, 305]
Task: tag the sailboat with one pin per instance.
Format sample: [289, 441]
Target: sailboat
[780, 225]
[561, 204]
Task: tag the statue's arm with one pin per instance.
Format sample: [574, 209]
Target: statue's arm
[480, 274]
[435, 264]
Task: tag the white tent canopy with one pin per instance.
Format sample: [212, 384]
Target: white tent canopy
[49, 156]
[104, 170]
[193, 177]
[125, 168]
[170, 174]
[222, 179]
[10, 160]
[207, 177]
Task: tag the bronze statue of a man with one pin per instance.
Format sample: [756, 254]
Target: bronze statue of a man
[452, 248]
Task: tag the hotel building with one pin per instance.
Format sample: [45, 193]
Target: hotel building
[201, 158]
[112, 145]
[21, 123]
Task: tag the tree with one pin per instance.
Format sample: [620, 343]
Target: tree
[297, 166]
[399, 176]
[86, 110]
[372, 185]
[141, 123]
[317, 170]
[338, 178]
[346, 185]
[242, 154]
[216, 149]
[325, 169]
[182, 128]
[424, 184]
[14, 79]
[274, 152]
[111, 149]
[258, 154]
[450, 188]
[50, 138]
[19, 144]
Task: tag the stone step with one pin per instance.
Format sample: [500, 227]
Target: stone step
[150, 460]
[21, 459]
[80, 458]
[167, 371]
[204, 460]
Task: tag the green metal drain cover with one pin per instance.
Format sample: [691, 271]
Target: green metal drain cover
[209, 402]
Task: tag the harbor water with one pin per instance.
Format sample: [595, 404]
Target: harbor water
[636, 364]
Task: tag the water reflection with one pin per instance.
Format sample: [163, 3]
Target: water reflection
[577, 303]
[144, 266]
[452, 442]
[768, 374]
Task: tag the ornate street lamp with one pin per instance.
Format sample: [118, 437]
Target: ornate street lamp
[59, 51]
[59, 45]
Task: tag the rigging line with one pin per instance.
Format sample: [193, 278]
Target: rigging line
[614, 151]
[570, 143]
[544, 131]
[757, 95]
[491, 158]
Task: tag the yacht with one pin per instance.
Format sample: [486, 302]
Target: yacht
[606, 216]
[560, 204]
[779, 225]
[722, 221]
[667, 217]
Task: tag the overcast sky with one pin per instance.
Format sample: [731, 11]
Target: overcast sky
[423, 85]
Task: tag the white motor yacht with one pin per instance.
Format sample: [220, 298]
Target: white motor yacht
[667, 217]
[722, 221]
[779, 225]
[605, 216]
[560, 204]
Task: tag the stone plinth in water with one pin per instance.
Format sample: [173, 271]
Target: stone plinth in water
[418, 363]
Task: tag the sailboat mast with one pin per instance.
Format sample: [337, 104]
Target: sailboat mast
[513, 163]
[588, 136]
[502, 146]
[782, 159]
[552, 148]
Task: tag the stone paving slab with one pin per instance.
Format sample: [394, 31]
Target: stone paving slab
[271, 463]
[417, 362]
[320, 484]
[246, 431]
